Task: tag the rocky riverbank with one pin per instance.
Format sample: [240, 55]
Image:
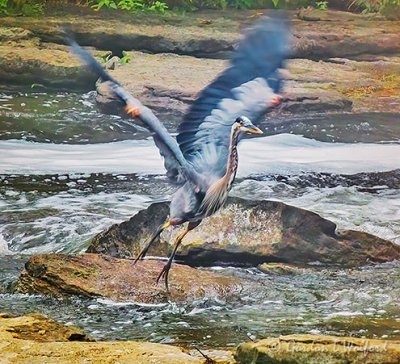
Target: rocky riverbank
[37, 339]
[353, 65]
[257, 269]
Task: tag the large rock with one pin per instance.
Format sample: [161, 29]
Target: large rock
[249, 233]
[32, 340]
[308, 349]
[93, 275]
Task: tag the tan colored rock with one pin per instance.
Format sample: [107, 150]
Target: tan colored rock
[30, 352]
[337, 34]
[161, 79]
[334, 85]
[28, 62]
[94, 275]
[24, 340]
[316, 349]
[249, 233]
[36, 339]
[39, 328]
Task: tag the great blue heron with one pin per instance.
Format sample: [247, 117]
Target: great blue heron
[203, 158]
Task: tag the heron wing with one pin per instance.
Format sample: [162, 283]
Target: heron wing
[247, 87]
[178, 168]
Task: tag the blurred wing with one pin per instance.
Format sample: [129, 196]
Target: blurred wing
[177, 166]
[248, 87]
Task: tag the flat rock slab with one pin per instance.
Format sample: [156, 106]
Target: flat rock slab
[249, 233]
[26, 340]
[306, 349]
[214, 34]
[93, 275]
[25, 60]
[30, 352]
[36, 339]
[27, 56]
[334, 85]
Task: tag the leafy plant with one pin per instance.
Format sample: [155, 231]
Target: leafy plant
[131, 5]
[158, 7]
[322, 5]
[126, 4]
[4, 7]
[110, 4]
[125, 58]
[106, 57]
[276, 3]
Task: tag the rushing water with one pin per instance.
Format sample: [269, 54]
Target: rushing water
[68, 171]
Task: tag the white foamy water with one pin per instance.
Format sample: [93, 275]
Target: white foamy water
[4, 246]
[292, 154]
[284, 153]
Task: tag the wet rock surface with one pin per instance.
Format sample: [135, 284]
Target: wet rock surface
[304, 349]
[325, 80]
[37, 339]
[249, 233]
[92, 275]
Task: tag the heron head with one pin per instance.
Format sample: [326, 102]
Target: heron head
[246, 126]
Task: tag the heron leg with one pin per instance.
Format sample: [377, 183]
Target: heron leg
[159, 230]
[165, 271]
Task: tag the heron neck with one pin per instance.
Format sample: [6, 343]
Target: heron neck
[232, 163]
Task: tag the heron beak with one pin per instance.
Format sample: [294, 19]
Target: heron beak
[254, 130]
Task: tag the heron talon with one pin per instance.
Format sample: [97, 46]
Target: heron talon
[164, 274]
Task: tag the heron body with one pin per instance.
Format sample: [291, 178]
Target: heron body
[203, 159]
[189, 205]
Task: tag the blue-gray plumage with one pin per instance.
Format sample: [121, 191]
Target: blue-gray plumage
[203, 159]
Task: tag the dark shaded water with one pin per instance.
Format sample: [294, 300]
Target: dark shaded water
[68, 171]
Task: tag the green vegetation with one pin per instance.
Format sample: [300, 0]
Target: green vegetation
[126, 58]
[388, 8]
[3, 7]
[321, 5]
[367, 6]
[22, 7]
[131, 5]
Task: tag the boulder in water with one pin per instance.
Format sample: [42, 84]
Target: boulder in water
[249, 233]
[93, 275]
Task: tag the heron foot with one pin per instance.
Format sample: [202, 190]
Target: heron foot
[164, 275]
